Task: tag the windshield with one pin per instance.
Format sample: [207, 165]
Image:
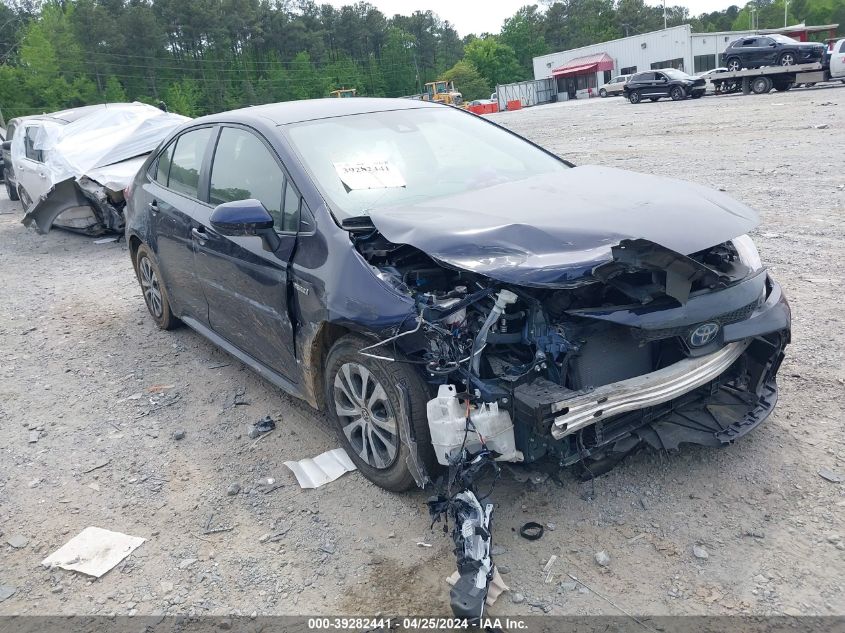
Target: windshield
[674, 74]
[369, 161]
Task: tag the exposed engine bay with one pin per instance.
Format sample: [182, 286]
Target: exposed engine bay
[651, 347]
[526, 351]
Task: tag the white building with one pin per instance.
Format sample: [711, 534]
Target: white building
[582, 71]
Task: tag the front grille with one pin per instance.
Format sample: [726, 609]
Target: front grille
[645, 336]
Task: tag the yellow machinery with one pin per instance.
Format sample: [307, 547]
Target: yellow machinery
[442, 92]
[344, 93]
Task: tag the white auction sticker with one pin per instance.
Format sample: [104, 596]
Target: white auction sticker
[376, 174]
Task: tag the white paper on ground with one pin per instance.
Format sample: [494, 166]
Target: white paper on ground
[93, 551]
[317, 471]
[496, 588]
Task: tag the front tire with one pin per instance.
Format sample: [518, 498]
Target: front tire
[602, 93]
[734, 64]
[155, 294]
[677, 93]
[634, 97]
[363, 402]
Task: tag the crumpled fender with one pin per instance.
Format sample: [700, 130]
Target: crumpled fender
[63, 196]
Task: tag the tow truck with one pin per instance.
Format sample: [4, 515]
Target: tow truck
[782, 78]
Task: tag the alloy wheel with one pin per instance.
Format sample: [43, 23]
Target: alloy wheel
[150, 286]
[366, 415]
[734, 65]
[787, 59]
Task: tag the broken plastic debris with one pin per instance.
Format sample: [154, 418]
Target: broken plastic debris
[93, 551]
[496, 588]
[318, 471]
[105, 240]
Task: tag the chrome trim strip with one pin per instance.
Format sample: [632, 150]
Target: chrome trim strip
[643, 391]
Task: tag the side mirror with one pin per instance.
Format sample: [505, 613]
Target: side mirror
[243, 218]
[7, 145]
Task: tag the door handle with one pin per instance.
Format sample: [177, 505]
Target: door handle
[154, 207]
[199, 234]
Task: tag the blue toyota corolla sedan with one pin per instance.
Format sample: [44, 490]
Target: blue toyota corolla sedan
[437, 283]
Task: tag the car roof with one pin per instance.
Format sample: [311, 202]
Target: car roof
[311, 109]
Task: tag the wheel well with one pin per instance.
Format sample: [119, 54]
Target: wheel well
[134, 244]
[315, 349]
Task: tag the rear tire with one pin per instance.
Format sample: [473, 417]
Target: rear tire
[783, 87]
[362, 401]
[634, 97]
[155, 294]
[10, 190]
[761, 85]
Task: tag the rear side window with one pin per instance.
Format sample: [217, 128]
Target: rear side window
[842, 47]
[29, 144]
[163, 165]
[244, 168]
[187, 160]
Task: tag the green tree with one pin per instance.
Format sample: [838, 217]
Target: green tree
[523, 32]
[184, 97]
[467, 81]
[114, 92]
[496, 62]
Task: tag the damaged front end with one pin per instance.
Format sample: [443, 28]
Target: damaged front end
[651, 347]
[79, 205]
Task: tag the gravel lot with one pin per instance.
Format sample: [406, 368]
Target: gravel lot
[84, 372]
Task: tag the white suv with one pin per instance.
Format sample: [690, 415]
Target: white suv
[614, 86]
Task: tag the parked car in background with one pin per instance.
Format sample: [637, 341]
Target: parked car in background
[614, 86]
[771, 50]
[362, 254]
[73, 173]
[17, 128]
[668, 82]
[716, 87]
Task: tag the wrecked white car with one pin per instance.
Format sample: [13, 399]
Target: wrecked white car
[72, 175]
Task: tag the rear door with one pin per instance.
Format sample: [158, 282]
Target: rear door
[171, 196]
[246, 286]
[31, 173]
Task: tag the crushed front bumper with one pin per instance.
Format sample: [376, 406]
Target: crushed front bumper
[710, 399]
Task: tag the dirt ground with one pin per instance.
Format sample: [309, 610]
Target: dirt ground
[91, 394]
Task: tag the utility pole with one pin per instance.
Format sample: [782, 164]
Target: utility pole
[664, 15]
[785, 7]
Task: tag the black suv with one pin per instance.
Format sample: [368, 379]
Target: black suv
[771, 50]
[668, 82]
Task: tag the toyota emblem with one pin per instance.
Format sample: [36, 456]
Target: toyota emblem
[703, 334]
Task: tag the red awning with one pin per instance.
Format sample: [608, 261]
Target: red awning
[584, 65]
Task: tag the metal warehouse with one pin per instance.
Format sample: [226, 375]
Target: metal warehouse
[580, 72]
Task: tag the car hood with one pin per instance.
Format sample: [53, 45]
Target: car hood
[552, 230]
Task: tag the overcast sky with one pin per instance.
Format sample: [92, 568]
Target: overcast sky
[478, 16]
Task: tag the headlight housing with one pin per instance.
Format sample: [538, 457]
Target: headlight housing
[747, 252]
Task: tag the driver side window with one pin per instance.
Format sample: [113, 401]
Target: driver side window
[245, 168]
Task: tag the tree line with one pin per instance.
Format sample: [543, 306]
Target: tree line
[204, 56]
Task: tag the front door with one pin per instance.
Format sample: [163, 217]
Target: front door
[246, 286]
